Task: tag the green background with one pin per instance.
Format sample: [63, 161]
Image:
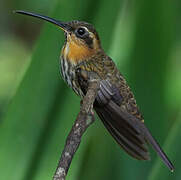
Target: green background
[37, 109]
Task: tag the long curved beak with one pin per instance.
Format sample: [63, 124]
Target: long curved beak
[63, 25]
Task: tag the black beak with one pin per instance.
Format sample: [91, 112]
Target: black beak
[63, 25]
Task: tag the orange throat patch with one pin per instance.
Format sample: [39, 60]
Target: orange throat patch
[75, 52]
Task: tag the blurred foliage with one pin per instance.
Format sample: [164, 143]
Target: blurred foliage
[37, 109]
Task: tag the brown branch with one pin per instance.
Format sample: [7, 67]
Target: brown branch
[84, 119]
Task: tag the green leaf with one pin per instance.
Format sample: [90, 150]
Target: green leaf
[139, 38]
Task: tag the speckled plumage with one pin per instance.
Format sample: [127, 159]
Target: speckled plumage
[115, 103]
[106, 69]
[83, 59]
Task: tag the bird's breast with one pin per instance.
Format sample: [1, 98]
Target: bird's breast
[67, 70]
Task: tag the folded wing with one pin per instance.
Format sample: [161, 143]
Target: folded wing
[128, 131]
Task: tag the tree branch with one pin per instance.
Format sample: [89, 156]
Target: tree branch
[84, 119]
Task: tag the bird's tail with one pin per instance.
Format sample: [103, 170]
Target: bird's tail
[156, 147]
[130, 133]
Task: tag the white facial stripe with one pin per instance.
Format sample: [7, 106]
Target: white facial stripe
[66, 49]
[85, 28]
[91, 35]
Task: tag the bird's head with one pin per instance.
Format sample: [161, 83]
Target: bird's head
[82, 40]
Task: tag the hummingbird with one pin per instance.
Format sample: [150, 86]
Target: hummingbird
[83, 58]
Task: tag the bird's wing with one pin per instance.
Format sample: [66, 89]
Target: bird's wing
[129, 132]
[123, 127]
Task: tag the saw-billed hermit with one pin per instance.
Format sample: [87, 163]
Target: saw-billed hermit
[83, 59]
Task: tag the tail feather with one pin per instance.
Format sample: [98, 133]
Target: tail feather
[157, 148]
[130, 133]
[125, 135]
[128, 143]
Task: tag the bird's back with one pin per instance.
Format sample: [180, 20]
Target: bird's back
[116, 106]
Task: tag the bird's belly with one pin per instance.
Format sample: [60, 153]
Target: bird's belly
[69, 76]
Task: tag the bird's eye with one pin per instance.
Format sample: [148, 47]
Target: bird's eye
[81, 31]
